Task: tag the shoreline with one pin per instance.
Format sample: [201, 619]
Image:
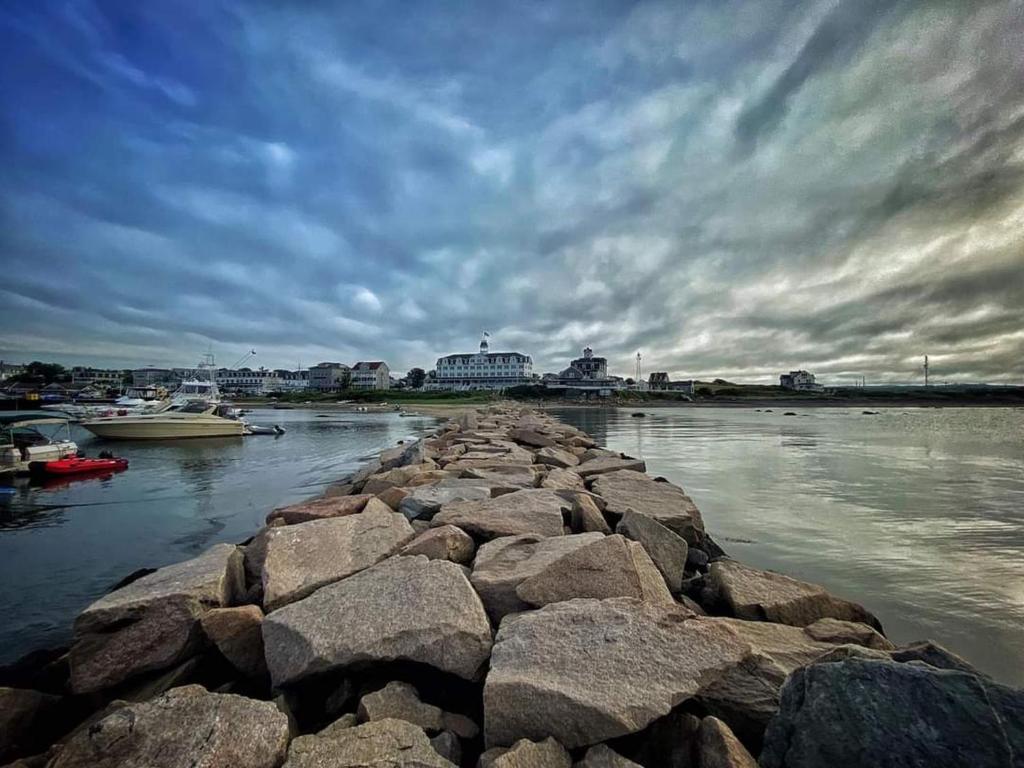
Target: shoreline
[419, 599]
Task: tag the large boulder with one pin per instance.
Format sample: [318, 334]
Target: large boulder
[668, 504]
[383, 743]
[403, 609]
[400, 701]
[603, 756]
[238, 634]
[302, 558]
[529, 754]
[585, 671]
[425, 501]
[397, 477]
[605, 464]
[667, 549]
[586, 516]
[562, 479]
[529, 511]
[318, 509]
[513, 477]
[530, 437]
[750, 593]
[613, 566]
[503, 564]
[883, 714]
[718, 747]
[183, 728]
[153, 623]
[26, 721]
[556, 457]
[444, 543]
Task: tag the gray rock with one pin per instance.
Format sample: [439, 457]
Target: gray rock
[467, 421]
[603, 756]
[25, 717]
[610, 567]
[237, 634]
[302, 558]
[884, 714]
[509, 476]
[425, 501]
[319, 509]
[529, 754]
[529, 511]
[839, 632]
[397, 477]
[405, 608]
[152, 623]
[627, 490]
[447, 745]
[400, 701]
[182, 728]
[384, 743]
[718, 747]
[585, 671]
[503, 564]
[756, 595]
[587, 517]
[598, 453]
[562, 479]
[556, 457]
[667, 549]
[933, 654]
[444, 543]
[605, 464]
[530, 437]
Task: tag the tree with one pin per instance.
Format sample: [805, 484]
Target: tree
[48, 372]
[416, 377]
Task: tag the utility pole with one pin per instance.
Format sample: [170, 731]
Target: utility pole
[638, 371]
[926, 370]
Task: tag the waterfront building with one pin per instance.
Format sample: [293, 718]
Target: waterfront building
[587, 372]
[592, 368]
[329, 377]
[659, 381]
[281, 380]
[9, 370]
[150, 377]
[82, 376]
[373, 374]
[801, 381]
[483, 370]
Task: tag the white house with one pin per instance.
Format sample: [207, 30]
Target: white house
[329, 377]
[484, 370]
[371, 375]
[801, 381]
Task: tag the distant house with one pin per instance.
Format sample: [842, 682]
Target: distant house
[82, 376]
[659, 381]
[373, 374]
[801, 381]
[9, 370]
[329, 377]
[584, 373]
[150, 377]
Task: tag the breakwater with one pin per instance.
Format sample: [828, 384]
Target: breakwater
[502, 593]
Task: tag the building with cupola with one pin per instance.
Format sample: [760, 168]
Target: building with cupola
[482, 370]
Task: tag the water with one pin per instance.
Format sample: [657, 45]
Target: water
[64, 545]
[917, 513]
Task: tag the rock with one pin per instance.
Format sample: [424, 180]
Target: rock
[598, 453]
[562, 479]
[668, 742]
[467, 421]
[880, 713]
[839, 632]
[237, 634]
[318, 509]
[627, 490]
[348, 720]
[184, 727]
[403, 609]
[400, 701]
[530, 437]
[447, 745]
[603, 756]
[756, 595]
[152, 623]
[718, 747]
[26, 721]
[585, 671]
[528, 754]
[667, 549]
[696, 559]
[556, 457]
[384, 743]
[529, 511]
[430, 477]
[393, 497]
[605, 464]
[587, 517]
[397, 477]
[302, 558]
[420, 526]
[488, 757]
[610, 567]
[933, 654]
[426, 501]
[503, 564]
[444, 543]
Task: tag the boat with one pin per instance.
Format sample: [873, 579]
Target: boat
[22, 442]
[256, 429]
[78, 465]
[197, 418]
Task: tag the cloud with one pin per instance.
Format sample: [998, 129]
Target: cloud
[731, 188]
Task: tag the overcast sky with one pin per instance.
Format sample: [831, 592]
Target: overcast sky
[733, 188]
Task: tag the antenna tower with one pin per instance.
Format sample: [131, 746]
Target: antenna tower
[926, 370]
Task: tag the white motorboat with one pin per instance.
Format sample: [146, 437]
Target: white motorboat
[197, 418]
[22, 441]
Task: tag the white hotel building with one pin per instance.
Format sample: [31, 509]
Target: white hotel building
[484, 370]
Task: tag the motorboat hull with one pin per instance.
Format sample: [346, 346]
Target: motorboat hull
[164, 427]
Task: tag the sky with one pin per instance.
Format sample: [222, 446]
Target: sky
[734, 189]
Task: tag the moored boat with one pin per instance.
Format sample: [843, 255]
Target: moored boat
[22, 442]
[78, 465]
[195, 419]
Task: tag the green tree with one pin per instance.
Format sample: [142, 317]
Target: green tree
[416, 377]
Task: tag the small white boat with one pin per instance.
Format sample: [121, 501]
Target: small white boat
[22, 442]
[194, 419]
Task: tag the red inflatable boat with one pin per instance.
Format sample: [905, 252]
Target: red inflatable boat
[75, 466]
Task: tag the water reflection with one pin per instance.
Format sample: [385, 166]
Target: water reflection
[918, 513]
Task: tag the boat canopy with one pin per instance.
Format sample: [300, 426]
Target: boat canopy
[15, 419]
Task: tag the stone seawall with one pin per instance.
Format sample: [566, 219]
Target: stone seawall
[506, 594]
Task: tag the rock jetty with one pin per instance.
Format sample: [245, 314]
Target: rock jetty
[503, 593]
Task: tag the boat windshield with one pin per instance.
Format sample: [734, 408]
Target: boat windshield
[197, 406]
[194, 388]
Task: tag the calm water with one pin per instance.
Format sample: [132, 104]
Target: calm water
[917, 513]
[64, 545]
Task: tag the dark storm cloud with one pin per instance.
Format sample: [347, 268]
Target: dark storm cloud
[733, 188]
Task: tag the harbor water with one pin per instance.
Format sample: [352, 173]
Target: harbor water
[918, 513]
[64, 542]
